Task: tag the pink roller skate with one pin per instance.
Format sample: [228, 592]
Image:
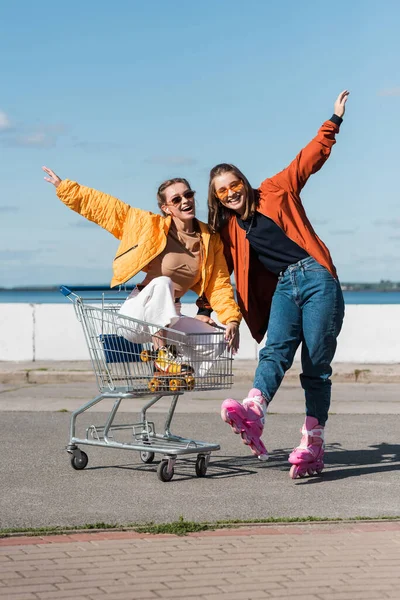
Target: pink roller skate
[248, 419]
[308, 458]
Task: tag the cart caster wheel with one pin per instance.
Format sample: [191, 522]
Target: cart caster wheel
[190, 383]
[201, 466]
[154, 385]
[147, 457]
[79, 463]
[162, 471]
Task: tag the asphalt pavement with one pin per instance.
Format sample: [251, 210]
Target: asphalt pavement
[39, 487]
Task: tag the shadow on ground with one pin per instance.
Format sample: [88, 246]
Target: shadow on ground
[340, 463]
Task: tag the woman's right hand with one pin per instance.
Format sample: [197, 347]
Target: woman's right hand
[232, 336]
[54, 179]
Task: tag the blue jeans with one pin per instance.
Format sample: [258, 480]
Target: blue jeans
[307, 307]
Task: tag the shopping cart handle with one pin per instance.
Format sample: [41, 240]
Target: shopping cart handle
[65, 291]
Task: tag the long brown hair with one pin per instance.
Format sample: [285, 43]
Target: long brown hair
[160, 192]
[218, 214]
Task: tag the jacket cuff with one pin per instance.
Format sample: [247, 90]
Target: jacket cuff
[204, 307]
[337, 120]
[206, 312]
[62, 187]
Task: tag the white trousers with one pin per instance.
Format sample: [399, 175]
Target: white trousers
[155, 304]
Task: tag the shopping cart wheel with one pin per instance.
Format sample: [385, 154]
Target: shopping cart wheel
[162, 471]
[79, 462]
[147, 457]
[201, 466]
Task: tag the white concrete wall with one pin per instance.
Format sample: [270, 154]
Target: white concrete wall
[371, 334]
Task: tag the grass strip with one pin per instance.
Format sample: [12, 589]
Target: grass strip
[181, 527]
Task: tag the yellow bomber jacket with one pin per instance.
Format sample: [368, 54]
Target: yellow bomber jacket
[143, 236]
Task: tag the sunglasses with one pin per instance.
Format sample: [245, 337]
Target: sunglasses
[188, 195]
[235, 186]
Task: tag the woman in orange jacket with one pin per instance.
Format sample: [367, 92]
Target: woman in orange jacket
[286, 282]
[176, 251]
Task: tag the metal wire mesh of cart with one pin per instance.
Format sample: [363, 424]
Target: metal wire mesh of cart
[133, 356]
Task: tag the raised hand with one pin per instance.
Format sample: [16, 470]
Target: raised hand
[53, 178]
[339, 106]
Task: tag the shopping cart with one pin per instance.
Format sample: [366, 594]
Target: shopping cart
[165, 362]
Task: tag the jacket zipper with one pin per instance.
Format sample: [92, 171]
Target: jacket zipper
[141, 267]
[126, 251]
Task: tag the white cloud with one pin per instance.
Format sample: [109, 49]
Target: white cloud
[4, 121]
[38, 139]
[342, 231]
[26, 136]
[394, 223]
[85, 223]
[395, 91]
[9, 209]
[35, 139]
[318, 221]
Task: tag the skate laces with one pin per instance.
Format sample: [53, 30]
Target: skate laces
[258, 403]
[168, 360]
[312, 437]
[168, 353]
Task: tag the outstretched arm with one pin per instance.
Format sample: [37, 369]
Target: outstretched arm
[314, 155]
[107, 211]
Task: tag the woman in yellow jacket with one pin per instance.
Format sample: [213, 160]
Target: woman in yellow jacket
[173, 249]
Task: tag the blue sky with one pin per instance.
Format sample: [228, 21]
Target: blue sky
[120, 96]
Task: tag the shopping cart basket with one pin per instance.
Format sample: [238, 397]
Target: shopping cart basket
[165, 362]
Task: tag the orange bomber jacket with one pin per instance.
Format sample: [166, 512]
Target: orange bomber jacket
[143, 236]
[279, 199]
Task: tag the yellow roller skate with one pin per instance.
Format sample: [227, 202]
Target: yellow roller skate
[170, 373]
[168, 362]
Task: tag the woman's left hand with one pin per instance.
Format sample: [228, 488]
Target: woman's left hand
[340, 104]
[232, 336]
[205, 319]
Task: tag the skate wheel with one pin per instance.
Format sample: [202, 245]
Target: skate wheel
[154, 385]
[311, 471]
[263, 457]
[230, 422]
[294, 471]
[244, 437]
[190, 382]
[175, 385]
[145, 356]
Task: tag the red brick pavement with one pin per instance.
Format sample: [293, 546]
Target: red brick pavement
[342, 561]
